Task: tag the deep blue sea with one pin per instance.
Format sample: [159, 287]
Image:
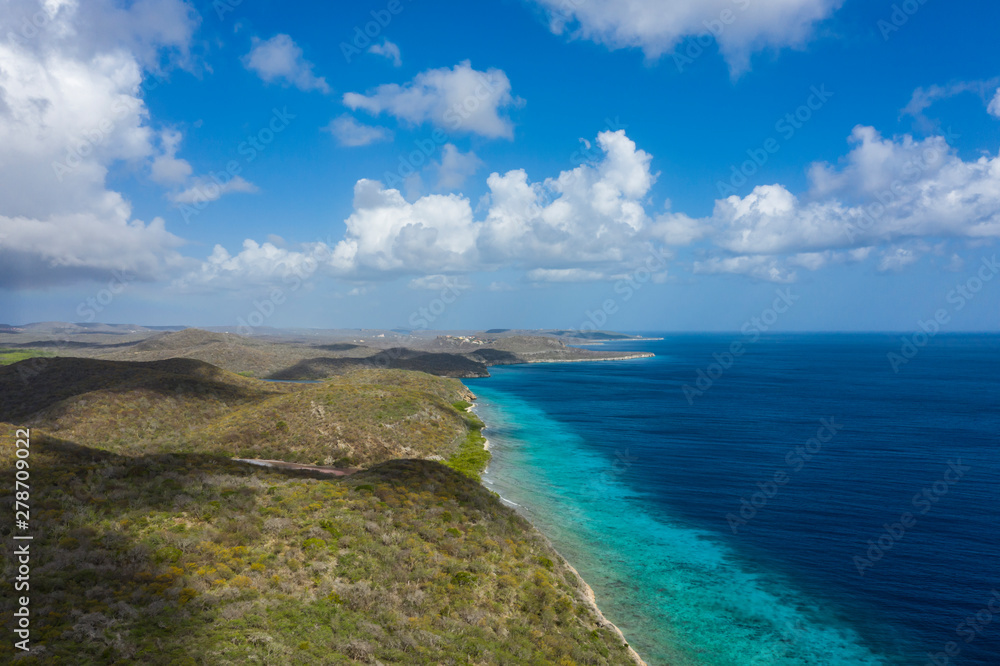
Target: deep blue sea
[810, 506]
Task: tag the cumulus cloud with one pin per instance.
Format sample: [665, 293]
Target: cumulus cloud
[385, 233]
[459, 99]
[349, 132]
[591, 214]
[73, 106]
[255, 265]
[884, 192]
[388, 50]
[740, 27]
[205, 189]
[281, 59]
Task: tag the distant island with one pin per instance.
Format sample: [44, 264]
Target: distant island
[296, 497]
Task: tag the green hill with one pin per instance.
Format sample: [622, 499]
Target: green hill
[183, 405]
[152, 545]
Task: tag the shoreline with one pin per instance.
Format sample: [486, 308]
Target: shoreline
[586, 593]
[634, 356]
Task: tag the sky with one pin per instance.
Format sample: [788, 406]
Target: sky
[638, 165]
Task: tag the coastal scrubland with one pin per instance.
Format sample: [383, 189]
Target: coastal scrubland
[153, 544]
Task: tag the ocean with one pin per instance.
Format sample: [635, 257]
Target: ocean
[811, 500]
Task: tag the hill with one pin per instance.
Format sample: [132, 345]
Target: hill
[357, 419]
[178, 559]
[313, 354]
[444, 365]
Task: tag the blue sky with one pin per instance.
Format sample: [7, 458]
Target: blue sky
[644, 165]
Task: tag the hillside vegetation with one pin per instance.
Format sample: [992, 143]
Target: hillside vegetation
[152, 545]
[181, 559]
[182, 405]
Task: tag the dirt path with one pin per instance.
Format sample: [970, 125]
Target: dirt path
[335, 471]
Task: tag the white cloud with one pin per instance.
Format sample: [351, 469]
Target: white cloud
[72, 107]
[455, 167]
[885, 193]
[756, 266]
[349, 132]
[564, 275]
[678, 229]
[439, 282]
[896, 258]
[740, 27]
[591, 214]
[885, 190]
[385, 233]
[994, 107]
[256, 264]
[155, 33]
[281, 59]
[166, 167]
[389, 50]
[205, 189]
[457, 99]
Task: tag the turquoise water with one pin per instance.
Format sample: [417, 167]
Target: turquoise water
[632, 484]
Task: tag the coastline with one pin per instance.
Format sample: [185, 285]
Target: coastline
[587, 360]
[586, 592]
